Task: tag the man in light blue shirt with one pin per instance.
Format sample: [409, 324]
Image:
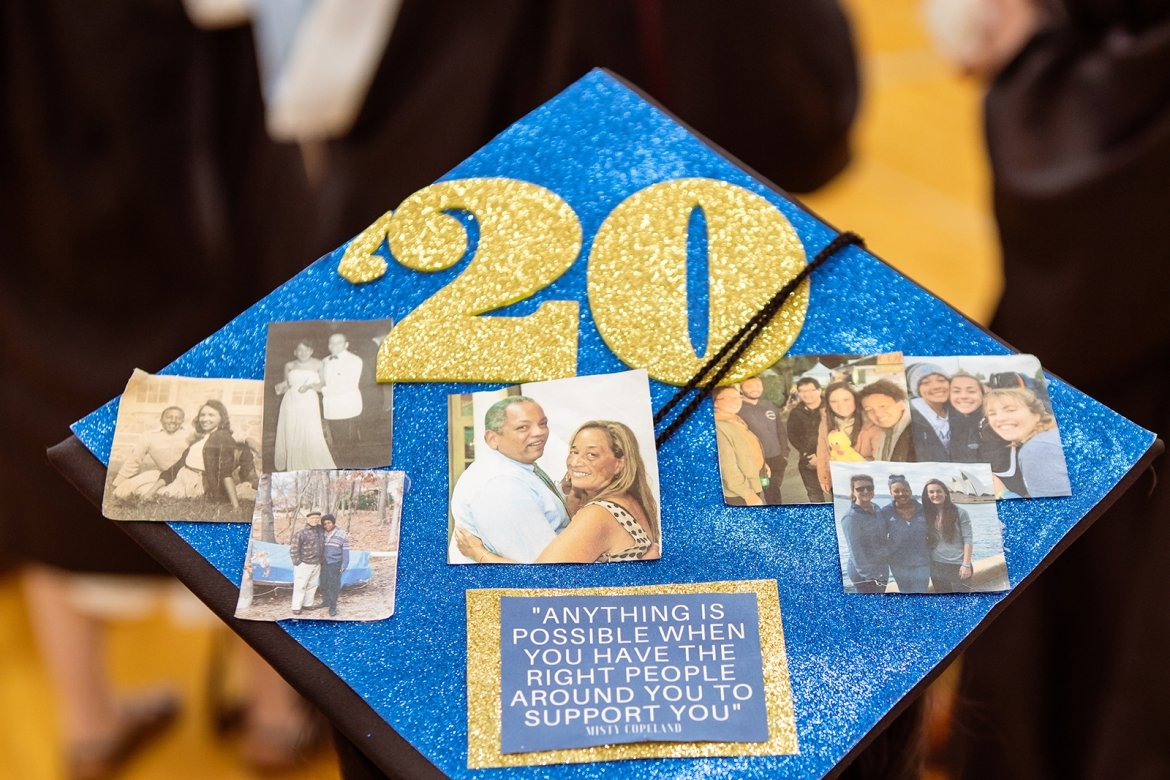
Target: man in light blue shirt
[504, 498]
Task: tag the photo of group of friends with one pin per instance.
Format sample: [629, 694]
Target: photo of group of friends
[918, 528]
[779, 432]
[992, 409]
[199, 449]
[336, 564]
[562, 471]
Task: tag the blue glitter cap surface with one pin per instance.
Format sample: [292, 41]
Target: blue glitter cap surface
[851, 658]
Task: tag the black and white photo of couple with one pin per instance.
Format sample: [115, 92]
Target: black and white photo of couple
[324, 407]
[185, 448]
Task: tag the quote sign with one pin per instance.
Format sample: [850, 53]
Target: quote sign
[579, 671]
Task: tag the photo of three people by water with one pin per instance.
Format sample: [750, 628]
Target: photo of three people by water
[917, 528]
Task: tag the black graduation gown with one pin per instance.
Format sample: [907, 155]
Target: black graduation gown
[1072, 680]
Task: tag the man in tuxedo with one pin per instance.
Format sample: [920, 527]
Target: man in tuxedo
[341, 373]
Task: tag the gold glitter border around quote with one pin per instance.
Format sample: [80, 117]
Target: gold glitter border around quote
[483, 682]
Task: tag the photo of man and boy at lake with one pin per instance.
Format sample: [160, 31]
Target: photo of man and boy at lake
[324, 545]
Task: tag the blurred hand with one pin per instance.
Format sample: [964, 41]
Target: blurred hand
[982, 36]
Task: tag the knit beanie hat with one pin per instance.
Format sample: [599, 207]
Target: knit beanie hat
[919, 371]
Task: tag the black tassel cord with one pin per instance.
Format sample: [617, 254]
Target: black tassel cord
[708, 377]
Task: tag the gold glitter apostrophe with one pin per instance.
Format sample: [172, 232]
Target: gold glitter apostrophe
[528, 237]
[359, 264]
[484, 712]
[637, 277]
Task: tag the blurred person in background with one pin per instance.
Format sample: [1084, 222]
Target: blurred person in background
[135, 175]
[1072, 680]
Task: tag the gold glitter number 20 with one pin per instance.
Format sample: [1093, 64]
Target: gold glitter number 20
[637, 277]
[637, 280]
[528, 237]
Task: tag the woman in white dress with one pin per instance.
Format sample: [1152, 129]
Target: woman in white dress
[300, 438]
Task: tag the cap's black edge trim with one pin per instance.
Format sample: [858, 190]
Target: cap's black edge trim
[352, 717]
